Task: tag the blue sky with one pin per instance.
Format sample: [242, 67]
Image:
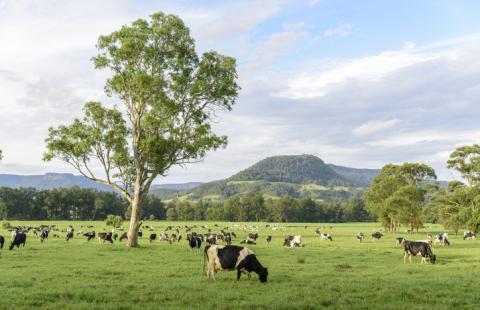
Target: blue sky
[357, 83]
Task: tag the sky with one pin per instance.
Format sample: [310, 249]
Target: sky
[356, 83]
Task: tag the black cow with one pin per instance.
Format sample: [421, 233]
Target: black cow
[152, 237]
[90, 235]
[377, 235]
[2, 242]
[103, 236]
[233, 257]
[19, 239]
[269, 239]
[69, 235]
[253, 236]
[123, 236]
[418, 248]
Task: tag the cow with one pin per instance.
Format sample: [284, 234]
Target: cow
[69, 235]
[194, 242]
[418, 248]
[377, 235]
[248, 241]
[164, 237]
[360, 236]
[90, 235]
[19, 239]
[269, 239]
[44, 235]
[468, 235]
[140, 234]
[152, 237]
[232, 257]
[103, 236]
[227, 239]
[123, 237]
[253, 236]
[2, 242]
[442, 239]
[326, 236]
[115, 236]
[173, 238]
[293, 241]
[211, 239]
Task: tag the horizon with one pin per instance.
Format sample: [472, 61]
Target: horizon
[356, 90]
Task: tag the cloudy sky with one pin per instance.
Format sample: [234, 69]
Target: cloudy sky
[357, 83]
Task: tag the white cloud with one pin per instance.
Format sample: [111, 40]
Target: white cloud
[341, 30]
[371, 127]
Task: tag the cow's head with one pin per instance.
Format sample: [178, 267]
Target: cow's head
[433, 259]
[263, 274]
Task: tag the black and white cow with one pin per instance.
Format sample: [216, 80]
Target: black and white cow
[232, 257]
[468, 235]
[123, 237]
[248, 241]
[418, 248]
[44, 235]
[360, 236]
[293, 241]
[90, 235]
[103, 236]
[19, 239]
[377, 235]
[326, 236]
[152, 237]
[442, 239]
[269, 239]
[194, 242]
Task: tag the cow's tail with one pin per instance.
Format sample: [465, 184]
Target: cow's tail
[205, 257]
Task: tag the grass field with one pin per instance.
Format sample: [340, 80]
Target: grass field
[343, 274]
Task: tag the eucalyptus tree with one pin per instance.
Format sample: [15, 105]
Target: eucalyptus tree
[169, 96]
[466, 160]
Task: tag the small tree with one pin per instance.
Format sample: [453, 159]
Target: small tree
[172, 214]
[169, 96]
[114, 220]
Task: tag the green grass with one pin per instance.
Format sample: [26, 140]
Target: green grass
[342, 274]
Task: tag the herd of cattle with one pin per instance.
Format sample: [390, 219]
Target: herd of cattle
[219, 253]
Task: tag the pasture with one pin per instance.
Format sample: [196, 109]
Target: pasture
[343, 274]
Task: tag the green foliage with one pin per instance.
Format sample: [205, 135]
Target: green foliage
[399, 193]
[172, 214]
[114, 220]
[3, 210]
[6, 225]
[466, 160]
[169, 95]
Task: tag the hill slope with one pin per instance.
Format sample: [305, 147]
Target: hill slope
[296, 175]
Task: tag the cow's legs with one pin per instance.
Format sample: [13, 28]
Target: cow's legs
[405, 257]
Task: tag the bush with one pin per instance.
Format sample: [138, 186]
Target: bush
[114, 220]
[6, 225]
[152, 217]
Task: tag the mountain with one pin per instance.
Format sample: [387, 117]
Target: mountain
[55, 180]
[295, 175]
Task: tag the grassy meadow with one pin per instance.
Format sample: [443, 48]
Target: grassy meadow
[343, 274]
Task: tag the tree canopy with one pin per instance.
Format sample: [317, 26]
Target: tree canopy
[169, 97]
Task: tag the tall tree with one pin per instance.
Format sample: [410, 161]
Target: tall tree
[169, 95]
[466, 160]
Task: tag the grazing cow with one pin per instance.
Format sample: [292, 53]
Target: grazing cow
[152, 237]
[269, 239]
[115, 236]
[19, 239]
[228, 240]
[194, 241]
[253, 236]
[90, 235]
[399, 240]
[103, 236]
[140, 234]
[468, 235]
[44, 235]
[179, 238]
[211, 239]
[360, 237]
[442, 239]
[123, 237]
[2, 242]
[293, 241]
[173, 238]
[377, 235]
[416, 248]
[231, 257]
[69, 235]
[326, 236]
[248, 241]
[164, 237]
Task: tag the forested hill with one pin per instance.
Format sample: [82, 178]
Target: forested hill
[292, 169]
[295, 175]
